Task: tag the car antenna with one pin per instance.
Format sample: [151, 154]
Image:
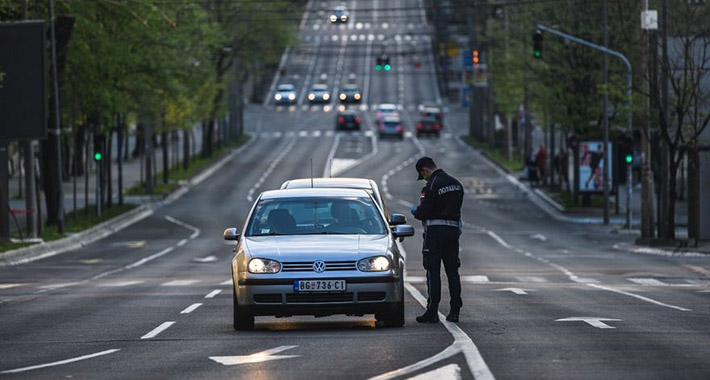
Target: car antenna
[311, 172]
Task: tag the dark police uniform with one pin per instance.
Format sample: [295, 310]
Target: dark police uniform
[440, 212]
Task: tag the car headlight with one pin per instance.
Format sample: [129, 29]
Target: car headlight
[343, 18]
[291, 96]
[333, 18]
[260, 266]
[277, 96]
[311, 96]
[374, 264]
[357, 96]
[343, 96]
[326, 96]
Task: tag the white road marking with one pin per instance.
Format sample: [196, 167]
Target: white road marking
[443, 355]
[475, 279]
[270, 169]
[181, 283]
[90, 261]
[518, 291]
[451, 371]
[9, 286]
[191, 308]
[67, 361]
[328, 169]
[207, 259]
[153, 333]
[592, 321]
[196, 231]
[462, 342]
[647, 281]
[228, 282]
[698, 269]
[258, 357]
[130, 244]
[540, 237]
[181, 242]
[642, 298]
[405, 203]
[415, 279]
[531, 279]
[59, 286]
[213, 293]
[117, 284]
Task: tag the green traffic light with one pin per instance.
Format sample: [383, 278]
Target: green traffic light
[537, 54]
[98, 156]
[378, 67]
[629, 158]
[388, 67]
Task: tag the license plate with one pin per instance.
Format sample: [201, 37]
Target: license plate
[327, 286]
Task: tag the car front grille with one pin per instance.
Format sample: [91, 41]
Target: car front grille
[307, 266]
[267, 298]
[371, 296]
[318, 297]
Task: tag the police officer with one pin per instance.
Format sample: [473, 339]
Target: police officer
[440, 211]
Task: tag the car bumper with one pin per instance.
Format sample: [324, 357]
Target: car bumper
[363, 295]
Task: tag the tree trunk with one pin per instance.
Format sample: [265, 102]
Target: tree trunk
[139, 149]
[109, 169]
[166, 155]
[79, 140]
[672, 192]
[185, 149]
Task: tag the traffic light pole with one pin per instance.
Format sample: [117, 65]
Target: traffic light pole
[629, 94]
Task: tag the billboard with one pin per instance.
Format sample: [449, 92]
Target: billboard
[23, 101]
[591, 166]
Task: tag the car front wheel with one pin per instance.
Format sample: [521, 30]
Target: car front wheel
[395, 318]
[242, 319]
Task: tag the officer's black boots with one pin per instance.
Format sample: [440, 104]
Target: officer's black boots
[453, 315]
[429, 316]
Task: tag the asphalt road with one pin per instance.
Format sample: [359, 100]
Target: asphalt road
[542, 299]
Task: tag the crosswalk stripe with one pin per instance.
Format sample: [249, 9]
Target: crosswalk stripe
[531, 279]
[474, 279]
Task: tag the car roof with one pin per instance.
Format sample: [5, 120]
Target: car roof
[348, 112]
[384, 106]
[431, 109]
[339, 182]
[392, 119]
[319, 87]
[314, 193]
[350, 87]
[285, 86]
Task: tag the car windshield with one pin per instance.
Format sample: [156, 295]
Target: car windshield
[285, 88]
[315, 216]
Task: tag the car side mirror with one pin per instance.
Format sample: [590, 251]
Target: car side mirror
[397, 219]
[231, 234]
[403, 230]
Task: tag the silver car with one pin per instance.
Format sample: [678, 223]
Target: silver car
[317, 252]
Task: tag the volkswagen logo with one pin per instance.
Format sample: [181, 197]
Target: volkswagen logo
[319, 266]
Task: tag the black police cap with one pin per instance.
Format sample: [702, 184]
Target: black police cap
[422, 162]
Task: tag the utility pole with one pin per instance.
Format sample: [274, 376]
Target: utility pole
[56, 133]
[28, 151]
[605, 119]
[650, 23]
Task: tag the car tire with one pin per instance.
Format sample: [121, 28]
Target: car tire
[395, 318]
[242, 320]
[401, 137]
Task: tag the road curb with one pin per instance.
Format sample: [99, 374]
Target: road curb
[111, 226]
[658, 251]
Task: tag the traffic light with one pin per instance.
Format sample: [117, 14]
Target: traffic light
[474, 57]
[537, 43]
[388, 67]
[98, 147]
[627, 148]
[378, 64]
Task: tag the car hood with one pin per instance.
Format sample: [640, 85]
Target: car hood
[316, 247]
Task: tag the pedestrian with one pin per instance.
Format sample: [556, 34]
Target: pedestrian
[541, 162]
[439, 210]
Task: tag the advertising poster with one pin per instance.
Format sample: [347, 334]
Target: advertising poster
[591, 166]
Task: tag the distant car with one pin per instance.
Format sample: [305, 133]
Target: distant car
[390, 126]
[350, 93]
[386, 109]
[339, 14]
[429, 125]
[432, 111]
[347, 183]
[347, 119]
[285, 94]
[317, 252]
[319, 94]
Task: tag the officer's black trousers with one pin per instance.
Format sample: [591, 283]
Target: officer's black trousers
[441, 244]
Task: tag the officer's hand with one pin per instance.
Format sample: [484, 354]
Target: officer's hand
[414, 209]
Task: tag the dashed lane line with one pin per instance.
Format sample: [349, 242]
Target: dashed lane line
[269, 170]
[156, 331]
[213, 293]
[195, 230]
[191, 308]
